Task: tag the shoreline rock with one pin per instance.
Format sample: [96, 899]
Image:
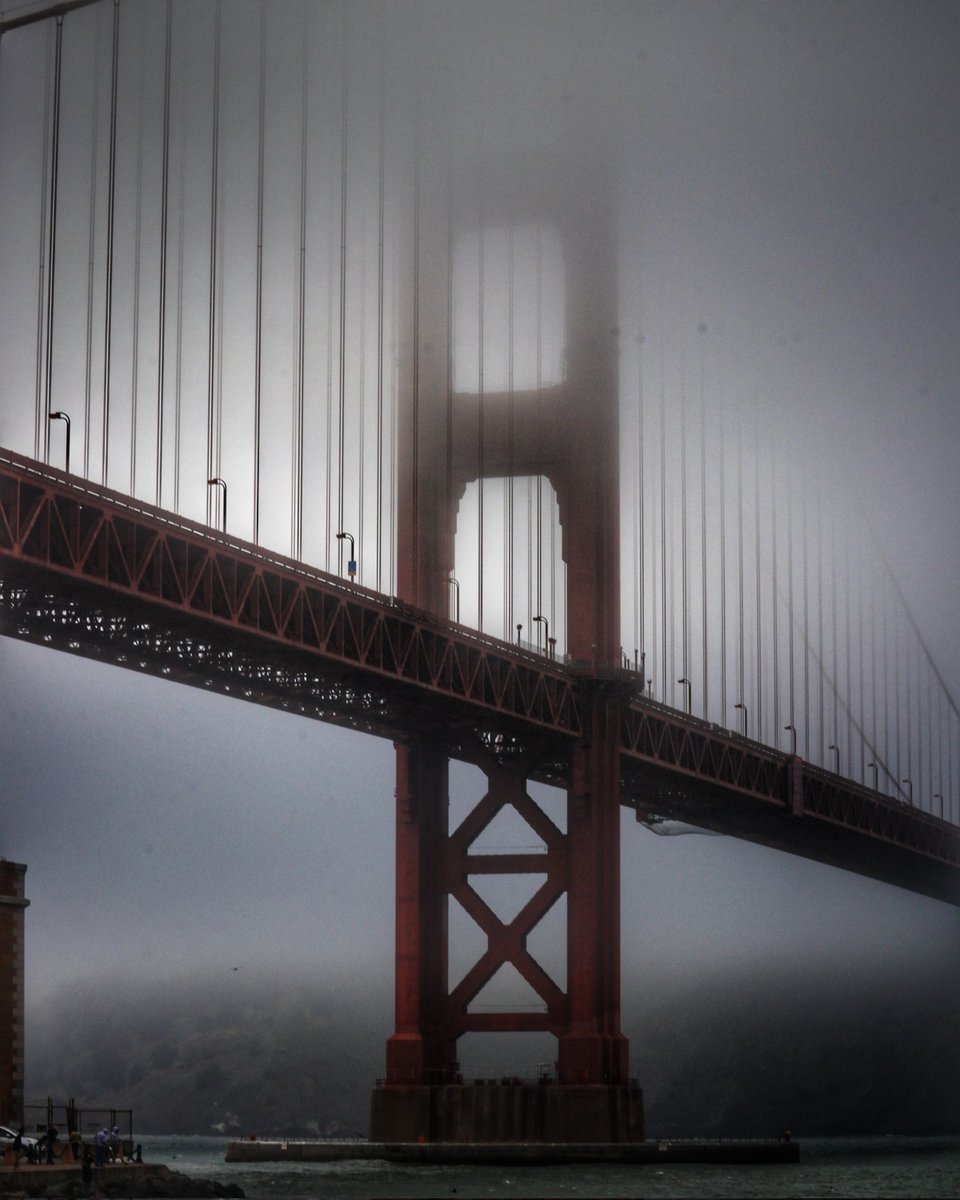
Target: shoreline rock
[142, 1183]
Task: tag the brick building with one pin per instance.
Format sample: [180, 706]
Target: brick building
[12, 906]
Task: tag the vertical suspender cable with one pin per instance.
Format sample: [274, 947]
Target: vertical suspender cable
[52, 249]
[40, 422]
[926, 737]
[940, 781]
[342, 397]
[806, 617]
[742, 672]
[258, 332]
[361, 380]
[178, 401]
[480, 314]
[164, 209]
[886, 645]
[875, 684]
[654, 581]
[908, 712]
[758, 605]
[834, 604]
[328, 431]
[111, 202]
[639, 580]
[774, 603]
[862, 671]
[381, 466]
[896, 700]
[296, 499]
[705, 665]
[912, 746]
[791, 645]
[539, 538]
[394, 435]
[848, 655]
[91, 247]
[415, 433]
[212, 465]
[723, 558]
[329, 515]
[221, 310]
[448, 507]
[684, 572]
[137, 230]
[663, 502]
[820, 654]
[508, 516]
[951, 792]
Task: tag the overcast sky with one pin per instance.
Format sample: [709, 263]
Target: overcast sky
[793, 171]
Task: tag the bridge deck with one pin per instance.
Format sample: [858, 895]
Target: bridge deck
[93, 572]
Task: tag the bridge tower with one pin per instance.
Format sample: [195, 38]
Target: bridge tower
[568, 433]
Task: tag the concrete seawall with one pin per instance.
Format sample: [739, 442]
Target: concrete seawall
[519, 1153]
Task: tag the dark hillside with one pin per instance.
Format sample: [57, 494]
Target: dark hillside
[819, 1053]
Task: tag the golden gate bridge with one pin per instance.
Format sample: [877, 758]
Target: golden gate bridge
[328, 388]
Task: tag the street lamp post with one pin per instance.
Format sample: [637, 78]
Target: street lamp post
[876, 776]
[546, 627]
[62, 416]
[519, 631]
[793, 739]
[218, 482]
[352, 561]
[689, 687]
[743, 709]
[909, 783]
[836, 750]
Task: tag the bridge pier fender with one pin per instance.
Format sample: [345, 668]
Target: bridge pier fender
[508, 1112]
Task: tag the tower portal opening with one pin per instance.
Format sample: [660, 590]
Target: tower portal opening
[509, 565]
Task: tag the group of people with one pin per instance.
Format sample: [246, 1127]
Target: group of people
[35, 1150]
[108, 1146]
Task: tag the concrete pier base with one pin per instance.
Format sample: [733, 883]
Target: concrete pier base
[507, 1112]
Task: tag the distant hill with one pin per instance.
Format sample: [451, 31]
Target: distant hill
[818, 1052]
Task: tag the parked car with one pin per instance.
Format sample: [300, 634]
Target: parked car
[7, 1136]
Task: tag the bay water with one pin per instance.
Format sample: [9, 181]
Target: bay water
[836, 1167]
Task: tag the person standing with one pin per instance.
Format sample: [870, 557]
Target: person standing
[116, 1145]
[100, 1146]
